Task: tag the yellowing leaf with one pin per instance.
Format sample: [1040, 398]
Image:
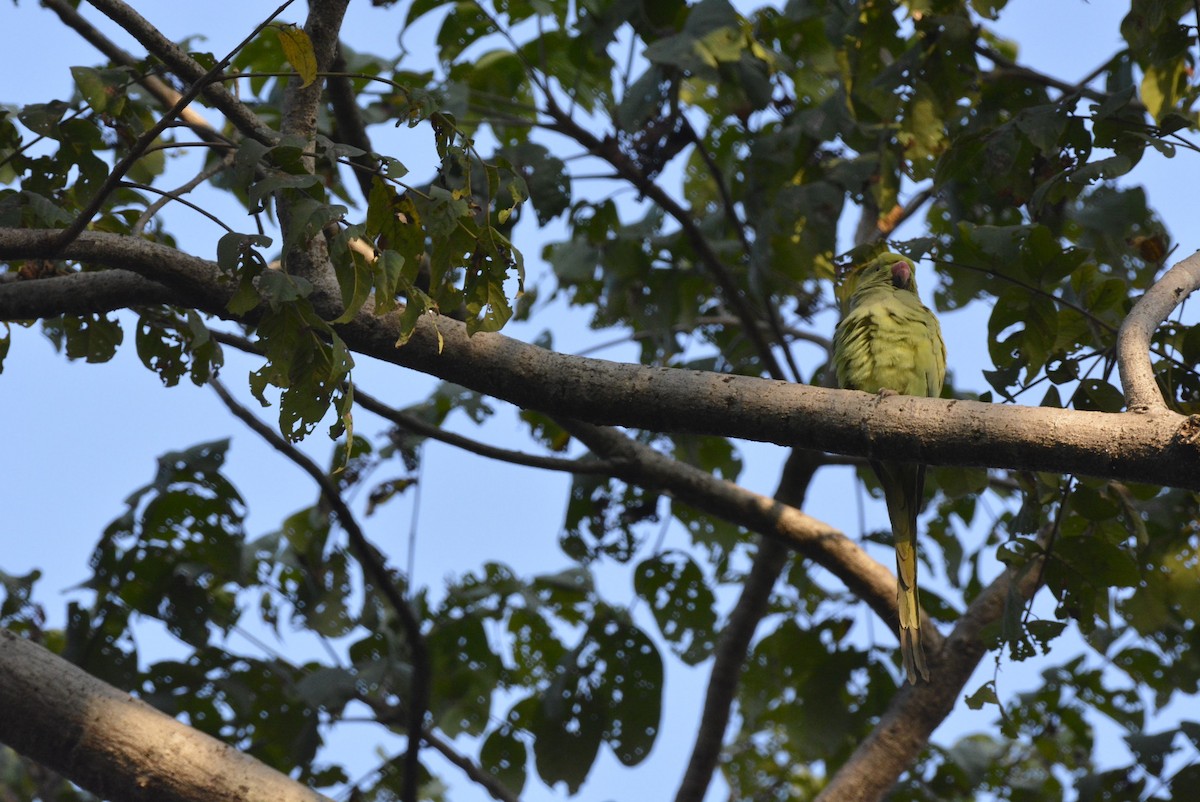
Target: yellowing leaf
[298, 49]
[1161, 87]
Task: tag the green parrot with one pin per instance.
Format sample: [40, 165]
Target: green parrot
[888, 342]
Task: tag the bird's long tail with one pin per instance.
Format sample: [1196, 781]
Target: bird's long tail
[903, 486]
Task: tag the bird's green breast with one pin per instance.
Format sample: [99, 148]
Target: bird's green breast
[889, 340]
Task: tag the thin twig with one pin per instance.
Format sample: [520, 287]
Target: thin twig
[144, 141]
[771, 517]
[188, 70]
[483, 778]
[412, 423]
[167, 196]
[566, 125]
[602, 467]
[160, 89]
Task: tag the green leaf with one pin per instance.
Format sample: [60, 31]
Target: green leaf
[567, 735]
[682, 603]
[1097, 562]
[505, 756]
[463, 26]
[92, 86]
[328, 689]
[441, 211]
[43, 118]
[278, 288]
[355, 275]
[176, 553]
[464, 672]
[1152, 750]
[985, 694]
[93, 338]
[304, 358]
[236, 256]
[1093, 394]
[172, 347]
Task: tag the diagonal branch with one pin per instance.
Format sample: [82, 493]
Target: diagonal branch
[917, 710]
[376, 571]
[119, 747]
[188, 69]
[498, 790]
[734, 641]
[772, 518]
[138, 148]
[163, 92]
[1133, 340]
[607, 150]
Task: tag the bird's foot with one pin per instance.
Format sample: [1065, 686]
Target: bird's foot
[885, 392]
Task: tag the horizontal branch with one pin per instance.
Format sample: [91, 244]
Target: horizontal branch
[1156, 446]
[199, 283]
[118, 747]
[81, 294]
[1153, 446]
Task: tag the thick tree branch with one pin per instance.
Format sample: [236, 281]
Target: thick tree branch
[118, 747]
[1161, 448]
[81, 294]
[300, 102]
[198, 280]
[1133, 340]
[310, 260]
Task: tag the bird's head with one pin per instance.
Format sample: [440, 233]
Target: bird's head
[883, 270]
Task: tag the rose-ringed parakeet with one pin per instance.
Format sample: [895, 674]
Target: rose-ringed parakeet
[889, 342]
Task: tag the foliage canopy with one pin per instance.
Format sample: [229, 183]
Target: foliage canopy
[696, 175]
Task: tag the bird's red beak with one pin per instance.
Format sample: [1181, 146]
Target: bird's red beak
[901, 275]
